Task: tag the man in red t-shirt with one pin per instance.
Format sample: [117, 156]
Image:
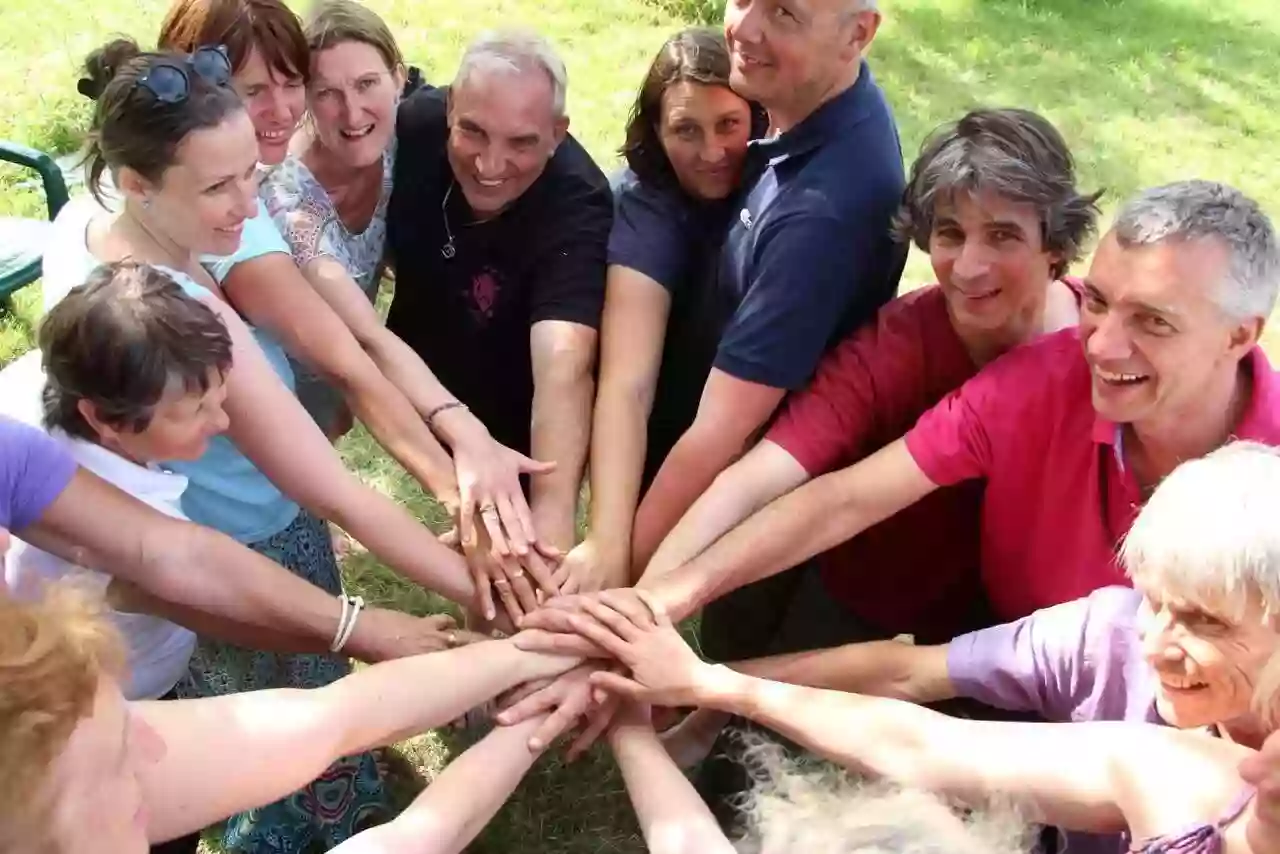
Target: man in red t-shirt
[1066, 447]
[992, 199]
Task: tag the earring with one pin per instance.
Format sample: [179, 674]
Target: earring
[146, 203]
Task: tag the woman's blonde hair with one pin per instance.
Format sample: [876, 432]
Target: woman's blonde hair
[52, 655]
[796, 809]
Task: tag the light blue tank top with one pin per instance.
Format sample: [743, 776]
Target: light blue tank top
[225, 490]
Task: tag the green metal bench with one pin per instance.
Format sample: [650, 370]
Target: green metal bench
[22, 239]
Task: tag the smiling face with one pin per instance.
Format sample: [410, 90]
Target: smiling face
[1207, 665]
[785, 52]
[98, 803]
[181, 425]
[275, 100]
[202, 200]
[502, 132]
[1156, 340]
[704, 130]
[353, 97]
[988, 254]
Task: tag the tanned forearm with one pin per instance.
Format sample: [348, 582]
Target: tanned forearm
[689, 470]
[890, 668]
[561, 432]
[812, 519]
[764, 473]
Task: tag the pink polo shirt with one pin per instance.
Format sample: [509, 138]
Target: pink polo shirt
[1058, 497]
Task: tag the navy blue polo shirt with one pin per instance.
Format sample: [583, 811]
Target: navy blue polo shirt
[674, 239]
[809, 256]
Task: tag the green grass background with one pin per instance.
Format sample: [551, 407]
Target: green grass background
[1146, 91]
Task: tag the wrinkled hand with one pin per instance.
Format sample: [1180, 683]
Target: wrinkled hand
[636, 631]
[489, 484]
[388, 634]
[1262, 770]
[568, 699]
[585, 570]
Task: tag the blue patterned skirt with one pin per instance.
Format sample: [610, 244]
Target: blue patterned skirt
[349, 796]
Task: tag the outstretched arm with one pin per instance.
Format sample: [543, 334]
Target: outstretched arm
[673, 817]
[487, 471]
[1062, 777]
[271, 292]
[230, 753]
[889, 668]
[807, 521]
[240, 593]
[273, 430]
[730, 415]
[459, 802]
[632, 334]
[763, 474]
[1100, 777]
[564, 359]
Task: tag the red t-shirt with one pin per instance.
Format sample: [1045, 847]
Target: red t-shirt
[1058, 497]
[916, 571]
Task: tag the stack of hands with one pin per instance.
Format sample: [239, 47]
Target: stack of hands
[634, 656]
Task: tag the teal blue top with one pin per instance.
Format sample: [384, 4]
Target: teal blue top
[225, 490]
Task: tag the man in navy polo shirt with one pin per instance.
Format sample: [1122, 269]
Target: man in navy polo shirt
[808, 258]
[809, 255]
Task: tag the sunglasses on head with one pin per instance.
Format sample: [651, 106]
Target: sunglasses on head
[168, 79]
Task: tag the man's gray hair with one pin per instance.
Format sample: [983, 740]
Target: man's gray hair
[1205, 210]
[516, 52]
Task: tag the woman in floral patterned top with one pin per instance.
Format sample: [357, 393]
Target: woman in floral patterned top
[305, 294]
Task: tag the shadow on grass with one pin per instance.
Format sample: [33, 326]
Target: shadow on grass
[1087, 66]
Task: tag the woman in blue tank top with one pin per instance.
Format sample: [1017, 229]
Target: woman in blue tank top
[182, 154]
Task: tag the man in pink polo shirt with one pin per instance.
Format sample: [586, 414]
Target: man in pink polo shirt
[993, 199]
[1067, 447]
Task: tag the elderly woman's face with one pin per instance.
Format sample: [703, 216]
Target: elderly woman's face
[1207, 665]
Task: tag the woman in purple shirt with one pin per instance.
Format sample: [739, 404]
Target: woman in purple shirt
[1195, 646]
[1202, 656]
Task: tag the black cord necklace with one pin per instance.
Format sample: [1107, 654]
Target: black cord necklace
[448, 250]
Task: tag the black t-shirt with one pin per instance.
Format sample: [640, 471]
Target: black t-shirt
[671, 238]
[543, 258]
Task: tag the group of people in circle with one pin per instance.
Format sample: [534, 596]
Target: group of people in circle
[922, 531]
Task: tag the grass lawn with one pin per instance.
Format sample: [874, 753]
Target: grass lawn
[1146, 91]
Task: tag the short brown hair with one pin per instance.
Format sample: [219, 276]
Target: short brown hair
[53, 654]
[1016, 154]
[694, 55]
[239, 26]
[334, 22]
[119, 340]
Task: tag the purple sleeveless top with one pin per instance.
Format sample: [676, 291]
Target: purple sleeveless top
[1200, 839]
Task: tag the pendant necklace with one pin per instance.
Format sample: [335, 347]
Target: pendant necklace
[447, 251]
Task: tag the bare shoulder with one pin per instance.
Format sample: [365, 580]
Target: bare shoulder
[1171, 780]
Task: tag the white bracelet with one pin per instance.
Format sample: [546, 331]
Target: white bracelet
[357, 605]
[342, 623]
